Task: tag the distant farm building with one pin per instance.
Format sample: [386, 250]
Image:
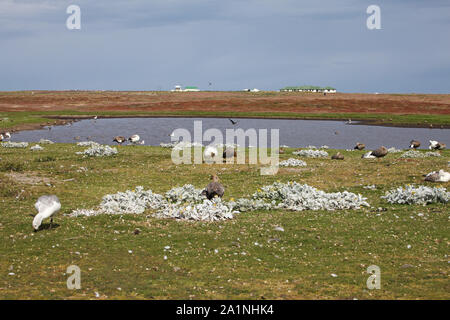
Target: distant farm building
[191, 88]
[186, 89]
[309, 89]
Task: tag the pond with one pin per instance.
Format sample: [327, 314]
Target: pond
[294, 133]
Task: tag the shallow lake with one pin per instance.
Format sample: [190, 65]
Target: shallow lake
[294, 133]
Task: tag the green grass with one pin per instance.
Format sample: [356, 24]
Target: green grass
[43, 117]
[315, 244]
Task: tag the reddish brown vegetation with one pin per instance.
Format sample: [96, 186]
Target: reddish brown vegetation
[225, 101]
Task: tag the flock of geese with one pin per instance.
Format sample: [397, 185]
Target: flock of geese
[134, 139]
[383, 151]
[48, 205]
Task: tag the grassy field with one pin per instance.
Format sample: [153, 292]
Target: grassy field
[217, 260]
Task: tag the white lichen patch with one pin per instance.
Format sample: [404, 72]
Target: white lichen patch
[208, 210]
[36, 148]
[299, 197]
[417, 195]
[187, 202]
[186, 193]
[311, 153]
[394, 150]
[87, 144]
[417, 154]
[291, 162]
[99, 151]
[45, 141]
[10, 144]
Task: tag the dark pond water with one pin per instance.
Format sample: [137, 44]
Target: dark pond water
[294, 133]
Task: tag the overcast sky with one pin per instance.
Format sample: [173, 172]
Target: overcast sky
[234, 44]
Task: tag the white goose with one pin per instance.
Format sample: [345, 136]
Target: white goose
[134, 139]
[436, 145]
[210, 154]
[438, 176]
[46, 206]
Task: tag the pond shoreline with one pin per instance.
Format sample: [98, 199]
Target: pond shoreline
[368, 122]
[65, 119]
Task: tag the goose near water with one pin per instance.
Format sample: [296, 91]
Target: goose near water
[134, 139]
[378, 153]
[214, 188]
[5, 136]
[414, 144]
[47, 207]
[435, 145]
[360, 146]
[119, 140]
[229, 153]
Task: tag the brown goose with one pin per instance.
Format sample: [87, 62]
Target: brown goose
[119, 140]
[360, 146]
[214, 188]
[380, 152]
[337, 156]
[414, 144]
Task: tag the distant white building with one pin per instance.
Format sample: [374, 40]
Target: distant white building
[309, 89]
[186, 89]
[191, 89]
[255, 90]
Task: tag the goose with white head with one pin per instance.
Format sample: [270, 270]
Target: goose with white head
[47, 206]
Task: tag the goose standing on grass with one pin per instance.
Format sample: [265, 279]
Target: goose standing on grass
[440, 176]
[435, 145]
[414, 144]
[210, 153]
[380, 152]
[119, 140]
[230, 153]
[338, 156]
[46, 206]
[134, 139]
[360, 146]
[214, 188]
